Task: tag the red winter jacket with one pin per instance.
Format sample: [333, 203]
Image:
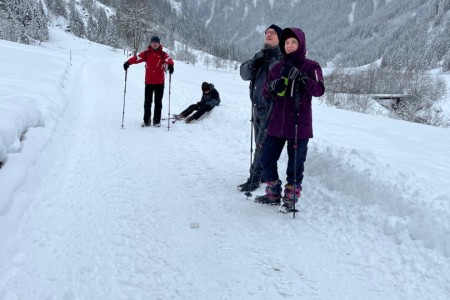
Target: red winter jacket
[154, 64]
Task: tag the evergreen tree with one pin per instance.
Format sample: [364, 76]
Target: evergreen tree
[102, 26]
[111, 36]
[446, 62]
[40, 21]
[58, 7]
[75, 20]
[88, 5]
[91, 28]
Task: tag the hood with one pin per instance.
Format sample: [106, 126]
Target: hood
[211, 87]
[300, 53]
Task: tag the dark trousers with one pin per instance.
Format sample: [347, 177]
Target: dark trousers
[158, 89]
[260, 122]
[201, 109]
[271, 151]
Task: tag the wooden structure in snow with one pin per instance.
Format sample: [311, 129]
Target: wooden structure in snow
[392, 101]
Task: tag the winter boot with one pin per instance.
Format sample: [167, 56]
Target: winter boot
[273, 193]
[145, 124]
[242, 184]
[290, 198]
[251, 185]
[177, 117]
[189, 119]
[157, 124]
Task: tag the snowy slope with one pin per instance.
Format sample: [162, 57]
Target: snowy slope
[93, 211]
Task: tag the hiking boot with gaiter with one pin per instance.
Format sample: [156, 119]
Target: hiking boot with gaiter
[290, 198]
[273, 193]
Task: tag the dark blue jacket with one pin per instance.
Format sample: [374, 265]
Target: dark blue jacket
[257, 75]
[212, 98]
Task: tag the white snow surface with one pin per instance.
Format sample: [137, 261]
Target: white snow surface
[89, 210]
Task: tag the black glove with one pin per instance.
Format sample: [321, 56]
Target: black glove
[258, 60]
[289, 71]
[170, 67]
[126, 65]
[301, 81]
[278, 86]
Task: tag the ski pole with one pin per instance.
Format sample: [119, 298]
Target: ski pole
[259, 143]
[297, 112]
[124, 92]
[295, 166]
[177, 119]
[168, 114]
[251, 134]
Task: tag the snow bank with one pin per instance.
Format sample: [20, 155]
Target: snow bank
[391, 200]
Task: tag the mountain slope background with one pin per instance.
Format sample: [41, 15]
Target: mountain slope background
[405, 33]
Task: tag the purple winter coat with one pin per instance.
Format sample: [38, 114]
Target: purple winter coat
[281, 122]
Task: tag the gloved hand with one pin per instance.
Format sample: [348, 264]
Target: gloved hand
[278, 86]
[258, 60]
[170, 68]
[126, 65]
[301, 80]
[289, 71]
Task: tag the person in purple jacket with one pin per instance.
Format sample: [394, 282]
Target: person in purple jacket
[291, 84]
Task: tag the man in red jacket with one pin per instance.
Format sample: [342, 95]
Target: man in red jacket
[155, 60]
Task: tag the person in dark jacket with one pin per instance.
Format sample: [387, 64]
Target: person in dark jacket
[210, 99]
[155, 61]
[291, 84]
[255, 70]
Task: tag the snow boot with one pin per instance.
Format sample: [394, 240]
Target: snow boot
[189, 120]
[251, 185]
[242, 184]
[145, 124]
[290, 198]
[273, 193]
[177, 117]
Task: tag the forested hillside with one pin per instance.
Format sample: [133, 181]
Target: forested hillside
[405, 34]
[119, 23]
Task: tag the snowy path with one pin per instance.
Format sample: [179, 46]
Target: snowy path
[116, 211]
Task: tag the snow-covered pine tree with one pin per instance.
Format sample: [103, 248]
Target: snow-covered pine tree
[58, 7]
[102, 26]
[91, 28]
[75, 20]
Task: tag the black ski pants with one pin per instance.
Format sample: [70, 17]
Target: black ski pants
[200, 108]
[260, 120]
[158, 89]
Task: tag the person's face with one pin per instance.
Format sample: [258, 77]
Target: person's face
[271, 38]
[290, 45]
[155, 45]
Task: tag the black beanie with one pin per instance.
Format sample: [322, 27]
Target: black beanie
[205, 87]
[276, 28]
[155, 39]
